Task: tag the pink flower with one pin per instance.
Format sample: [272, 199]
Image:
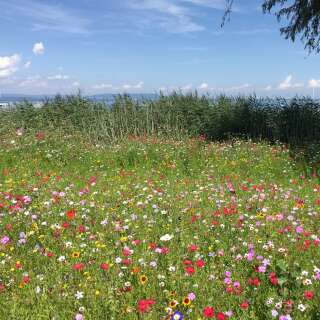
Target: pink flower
[299, 229]
[5, 240]
[191, 296]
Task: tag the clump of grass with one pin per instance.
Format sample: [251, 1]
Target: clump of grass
[295, 122]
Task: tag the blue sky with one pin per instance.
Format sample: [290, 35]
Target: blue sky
[142, 46]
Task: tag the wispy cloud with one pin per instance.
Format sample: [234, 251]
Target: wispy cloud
[251, 32]
[214, 4]
[59, 77]
[46, 17]
[289, 84]
[170, 15]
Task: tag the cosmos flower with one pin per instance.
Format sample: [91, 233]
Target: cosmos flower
[166, 237]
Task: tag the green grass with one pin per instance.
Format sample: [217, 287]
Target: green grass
[146, 188]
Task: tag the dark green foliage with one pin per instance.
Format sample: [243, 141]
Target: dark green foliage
[304, 20]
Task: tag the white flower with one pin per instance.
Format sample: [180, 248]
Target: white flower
[118, 260]
[79, 295]
[166, 237]
[301, 307]
[62, 259]
[307, 282]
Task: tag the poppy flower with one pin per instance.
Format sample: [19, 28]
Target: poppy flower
[104, 266]
[208, 312]
[244, 305]
[78, 266]
[200, 264]
[308, 294]
[190, 270]
[220, 316]
[145, 305]
[71, 214]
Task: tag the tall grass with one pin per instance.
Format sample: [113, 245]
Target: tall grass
[295, 122]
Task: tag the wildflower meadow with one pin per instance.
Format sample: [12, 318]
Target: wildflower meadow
[154, 228]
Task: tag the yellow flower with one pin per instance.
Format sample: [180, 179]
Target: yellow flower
[75, 254]
[173, 293]
[143, 279]
[186, 301]
[173, 304]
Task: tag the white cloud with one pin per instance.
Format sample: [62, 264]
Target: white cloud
[268, 88]
[58, 77]
[44, 16]
[170, 16]
[76, 84]
[203, 86]
[313, 83]
[139, 85]
[38, 48]
[187, 87]
[214, 4]
[102, 86]
[241, 87]
[27, 65]
[33, 81]
[9, 65]
[288, 84]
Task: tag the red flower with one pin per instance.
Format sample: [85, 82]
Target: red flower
[189, 270]
[200, 264]
[65, 224]
[82, 229]
[308, 295]
[104, 266]
[26, 279]
[152, 246]
[244, 305]
[220, 316]
[127, 261]
[192, 248]
[145, 305]
[187, 262]
[71, 214]
[208, 312]
[273, 278]
[78, 266]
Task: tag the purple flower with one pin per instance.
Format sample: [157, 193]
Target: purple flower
[191, 296]
[79, 316]
[5, 240]
[262, 269]
[177, 316]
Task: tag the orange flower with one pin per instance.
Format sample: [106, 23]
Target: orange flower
[71, 214]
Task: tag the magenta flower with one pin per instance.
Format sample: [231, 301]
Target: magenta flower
[5, 240]
[299, 229]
